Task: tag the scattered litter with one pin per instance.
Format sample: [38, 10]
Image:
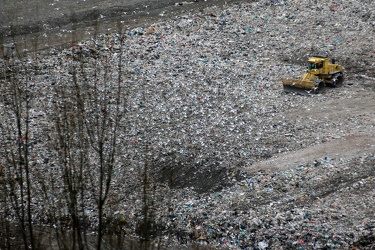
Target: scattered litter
[203, 96]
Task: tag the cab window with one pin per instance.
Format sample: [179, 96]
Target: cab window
[311, 65]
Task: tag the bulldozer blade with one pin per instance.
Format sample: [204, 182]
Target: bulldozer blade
[299, 86]
[290, 89]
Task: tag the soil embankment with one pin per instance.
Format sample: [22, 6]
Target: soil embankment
[39, 25]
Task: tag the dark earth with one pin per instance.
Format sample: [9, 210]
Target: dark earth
[32, 21]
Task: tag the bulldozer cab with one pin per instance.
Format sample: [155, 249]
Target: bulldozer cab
[316, 65]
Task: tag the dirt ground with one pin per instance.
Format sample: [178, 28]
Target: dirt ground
[361, 140]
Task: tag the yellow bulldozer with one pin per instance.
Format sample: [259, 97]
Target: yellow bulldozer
[321, 72]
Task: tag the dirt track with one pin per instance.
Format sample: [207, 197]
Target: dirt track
[347, 147]
[360, 141]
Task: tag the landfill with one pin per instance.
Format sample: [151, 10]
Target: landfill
[233, 161]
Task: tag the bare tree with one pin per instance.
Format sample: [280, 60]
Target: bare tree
[90, 106]
[16, 98]
[85, 109]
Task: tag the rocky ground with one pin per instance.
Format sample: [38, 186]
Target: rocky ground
[252, 167]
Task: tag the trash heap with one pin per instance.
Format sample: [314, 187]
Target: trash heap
[203, 98]
[298, 208]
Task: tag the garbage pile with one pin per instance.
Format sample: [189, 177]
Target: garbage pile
[297, 208]
[202, 98]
